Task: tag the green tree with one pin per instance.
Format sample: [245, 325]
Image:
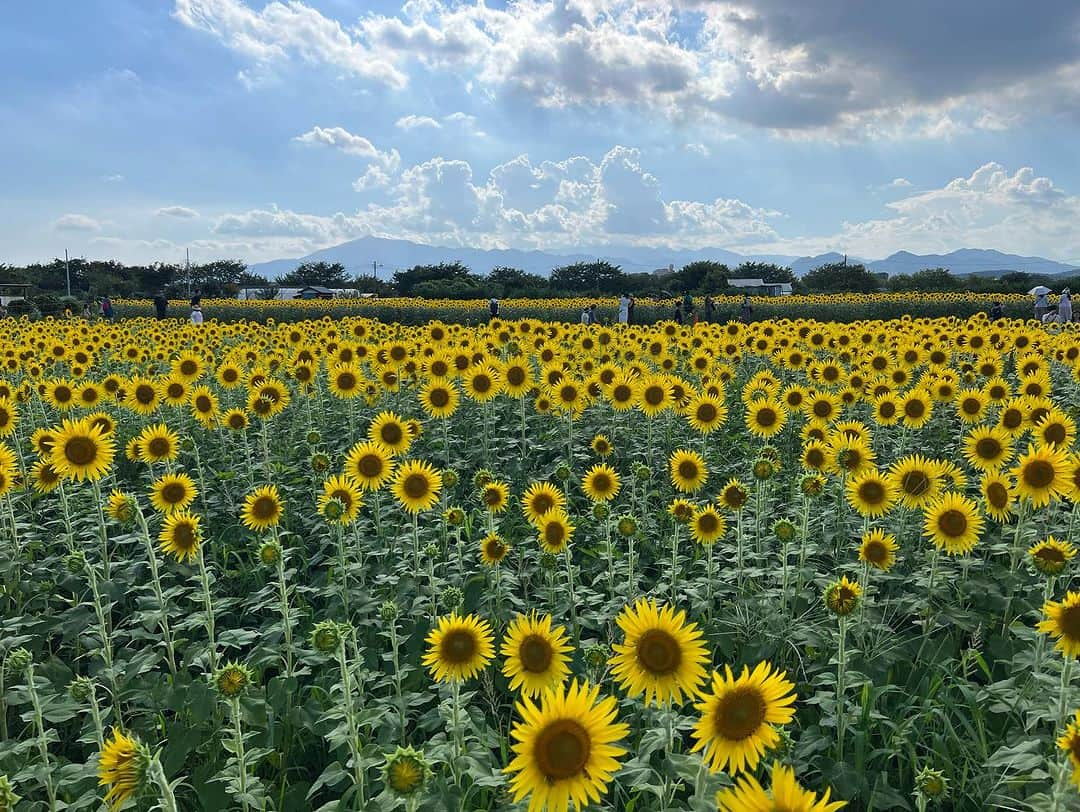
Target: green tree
[504, 281]
[841, 277]
[588, 277]
[324, 274]
[703, 275]
[447, 272]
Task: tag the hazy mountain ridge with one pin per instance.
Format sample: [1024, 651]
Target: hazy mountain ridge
[391, 255]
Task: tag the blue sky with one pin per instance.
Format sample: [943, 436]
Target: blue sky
[241, 128]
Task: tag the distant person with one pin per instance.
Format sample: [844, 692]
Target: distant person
[161, 306]
[1042, 306]
[1065, 312]
[3, 311]
[708, 310]
[746, 309]
[87, 312]
[493, 307]
[593, 318]
[585, 315]
[630, 311]
[624, 309]
[106, 308]
[196, 310]
[687, 305]
[997, 311]
[678, 313]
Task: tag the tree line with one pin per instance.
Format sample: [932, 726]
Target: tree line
[91, 279]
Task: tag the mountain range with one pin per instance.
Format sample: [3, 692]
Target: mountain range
[385, 256]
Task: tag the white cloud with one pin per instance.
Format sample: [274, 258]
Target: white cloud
[413, 122]
[345, 141]
[113, 178]
[699, 149]
[76, 222]
[898, 183]
[180, 212]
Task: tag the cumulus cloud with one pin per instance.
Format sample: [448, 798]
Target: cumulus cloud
[76, 222]
[341, 139]
[413, 122]
[180, 212]
[829, 68]
[898, 183]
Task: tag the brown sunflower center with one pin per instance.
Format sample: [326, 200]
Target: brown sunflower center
[542, 503]
[1012, 418]
[654, 395]
[914, 409]
[997, 495]
[391, 433]
[416, 486]
[1069, 623]
[765, 417]
[601, 482]
[439, 397]
[173, 493]
[887, 409]
[707, 523]
[872, 492]
[658, 652]
[554, 534]
[80, 451]
[739, 714]
[515, 376]
[688, 469]
[175, 391]
[203, 403]
[621, 393]
[265, 507]
[1038, 473]
[145, 394]
[481, 383]
[236, 421]
[1054, 433]
[495, 549]
[1051, 555]
[188, 367]
[875, 552]
[492, 497]
[536, 654]
[822, 408]
[158, 447]
[346, 381]
[184, 537]
[706, 413]
[562, 749]
[815, 458]
[988, 448]
[370, 466]
[458, 646]
[953, 523]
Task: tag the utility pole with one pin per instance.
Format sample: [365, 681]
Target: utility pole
[67, 271]
[187, 269]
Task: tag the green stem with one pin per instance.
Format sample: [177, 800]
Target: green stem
[841, 673]
[283, 594]
[42, 741]
[238, 743]
[208, 608]
[155, 579]
[156, 774]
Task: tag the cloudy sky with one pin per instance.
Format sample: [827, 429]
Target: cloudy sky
[253, 129]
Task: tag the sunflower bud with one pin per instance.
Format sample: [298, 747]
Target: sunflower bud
[763, 469]
[643, 473]
[931, 784]
[19, 660]
[452, 598]
[81, 689]
[482, 477]
[232, 679]
[388, 611]
[431, 551]
[842, 597]
[600, 511]
[784, 530]
[269, 553]
[320, 463]
[314, 438]
[449, 478]
[812, 485]
[563, 472]
[9, 799]
[548, 562]
[187, 445]
[406, 771]
[627, 526]
[596, 656]
[333, 510]
[454, 516]
[75, 562]
[326, 636]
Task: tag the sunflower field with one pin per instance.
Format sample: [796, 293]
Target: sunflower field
[351, 565]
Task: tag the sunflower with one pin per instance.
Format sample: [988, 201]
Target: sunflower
[1055, 429]
[988, 448]
[60, 394]
[539, 498]
[738, 717]
[1051, 556]
[122, 766]
[1042, 475]
[235, 419]
[406, 772]
[870, 493]
[481, 383]
[887, 409]
[82, 451]
[999, 495]
[707, 526]
[815, 455]
[370, 464]
[662, 655]
[495, 495]
[9, 417]
[172, 492]
[916, 408]
[493, 549]
[621, 393]
[42, 441]
[516, 377]
[535, 654]
[459, 648]
[765, 418]
[601, 445]
[389, 431]
[1063, 623]
[554, 531]
[705, 413]
[822, 408]
[878, 549]
[734, 495]
[158, 443]
[1069, 741]
[681, 510]
[917, 480]
[417, 485]
[120, 506]
[850, 455]
[347, 492]
[688, 471]
[654, 395]
[842, 596]
[564, 750]
[439, 398]
[45, 478]
[180, 535]
[971, 405]
[953, 523]
[785, 794]
[601, 483]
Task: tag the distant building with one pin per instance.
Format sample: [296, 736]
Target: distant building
[670, 269]
[284, 294]
[13, 292]
[318, 292]
[759, 287]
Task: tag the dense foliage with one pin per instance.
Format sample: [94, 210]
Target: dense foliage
[341, 564]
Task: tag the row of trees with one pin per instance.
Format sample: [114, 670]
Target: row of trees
[454, 280]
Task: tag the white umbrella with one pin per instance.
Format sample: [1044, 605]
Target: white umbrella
[1039, 290]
